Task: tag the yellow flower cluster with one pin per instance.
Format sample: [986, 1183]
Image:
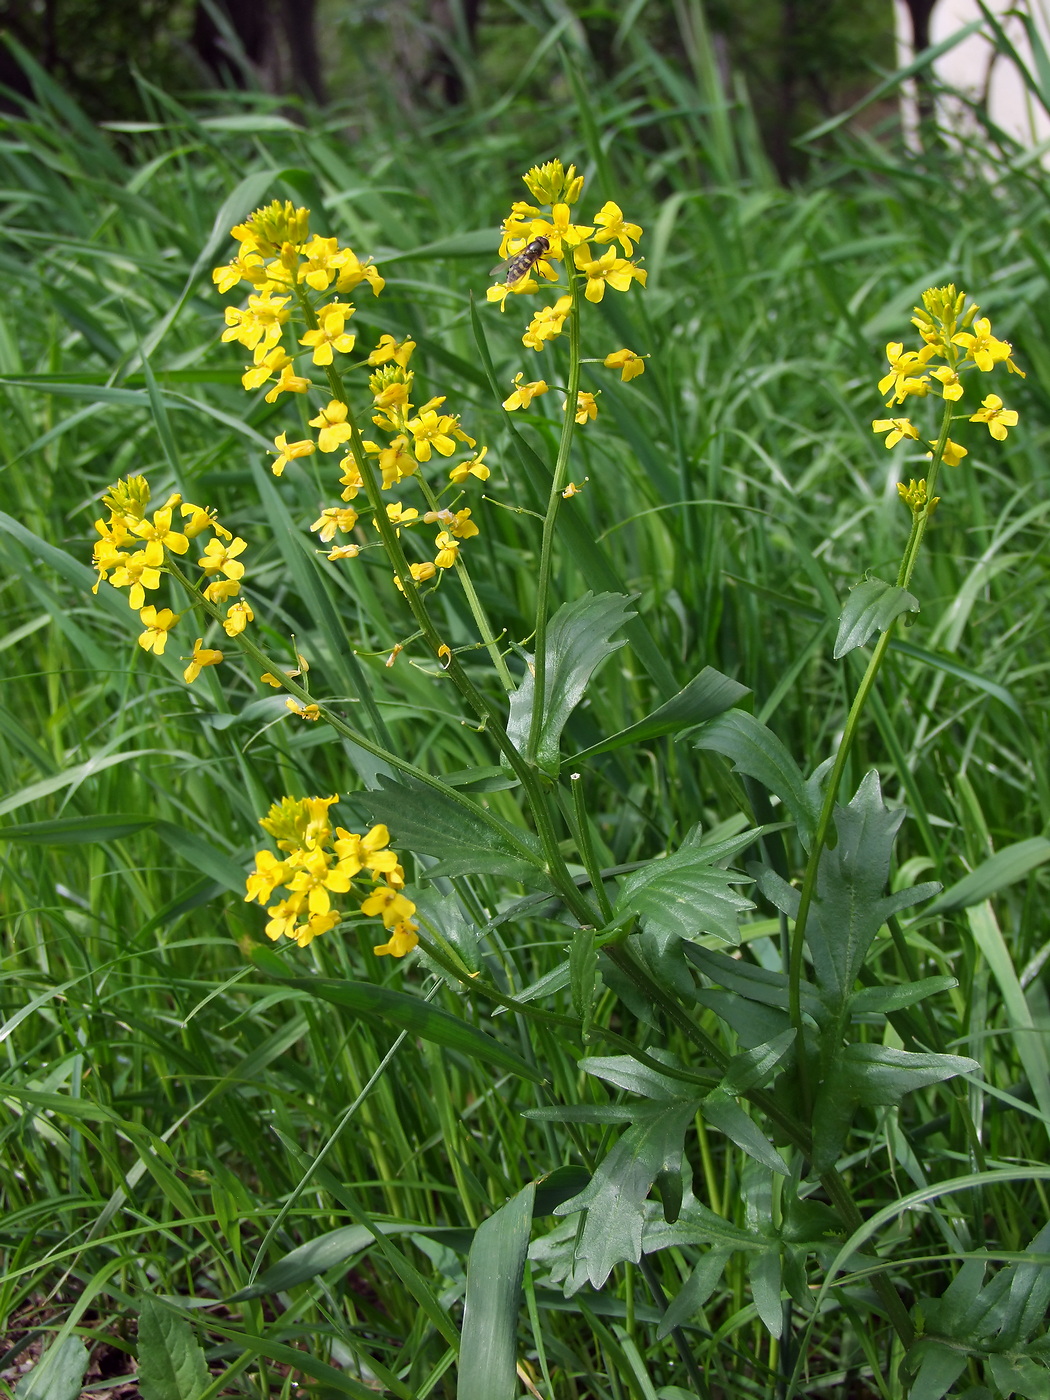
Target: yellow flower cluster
[319, 862]
[953, 333]
[131, 551]
[534, 241]
[286, 266]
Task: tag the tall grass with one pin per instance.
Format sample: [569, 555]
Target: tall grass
[172, 1124]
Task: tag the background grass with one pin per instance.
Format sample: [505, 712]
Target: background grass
[162, 1109]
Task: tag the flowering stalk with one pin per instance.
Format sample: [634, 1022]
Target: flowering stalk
[561, 471]
[943, 322]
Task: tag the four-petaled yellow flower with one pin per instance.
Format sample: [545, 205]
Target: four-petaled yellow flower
[475, 467]
[524, 394]
[432, 430]
[238, 615]
[627, 362]
[221, 557]
[610, 220]
[998, 418]
[333, 518]
[202, 656]
[400, 351]
[586, 407]
[330, 334]
[983, 348]
[403, 938]
[897, 428]
[159, 536]
[157, 625]
[290, 451]
[609, 270]
[333, 425]
[547, 323]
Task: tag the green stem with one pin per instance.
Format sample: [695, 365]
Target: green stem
[561, 465]
[920, 520]
[485, 629]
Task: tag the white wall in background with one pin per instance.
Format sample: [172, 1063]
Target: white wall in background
[970, 66]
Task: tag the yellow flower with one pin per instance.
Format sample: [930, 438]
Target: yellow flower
[400, 515]
[403, 938]
[474, 467]
[560, 233]
[953, 453]
[610, 219]
[356, 853]
[159, 536]
[316, 876]
[547, 323]
[247, 266]
[202, 656]
[135, 573]
[998, 418]
[392, 907]
[266, 366]
[627, 362]
[448, 550]
[197, 519]
[290, 451]
[283, 915]
[260, 324]
[333, 425]
[618, 273]
[983, 348]
[316, 924]
[951, 387]
[351, 478]
[914, 497]
[905, 376]
[391, 349]
[524, 394]
[344, 551]
[330, 334]
[395, 460]
[897, 428]
[310, 712]
[220, 557]
[353, 272]
[431, 430]
[586, 407]
[268, 873]
[268, 678]
[334, 518]
[237, 618]
[157, 625]
[288, 383]
[221, 590]
[503, 290]
[323, 263]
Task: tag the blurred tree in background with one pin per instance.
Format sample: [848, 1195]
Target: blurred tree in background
[799, 60]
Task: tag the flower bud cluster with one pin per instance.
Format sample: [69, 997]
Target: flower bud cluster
[131, 552]
[318, 862]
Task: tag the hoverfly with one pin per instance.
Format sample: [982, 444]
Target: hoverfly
[521, 264]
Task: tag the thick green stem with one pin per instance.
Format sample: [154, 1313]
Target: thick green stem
[920, 520]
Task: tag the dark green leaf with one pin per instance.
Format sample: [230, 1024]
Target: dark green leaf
[464, 839]
[755, 983]
[763, 1272]
[1007, 866]
[686, 894]
[751, 1069]
[707, 695]
[695, 1292]
[883, 999]
[850, 907]
[1021, 1376]
[872, 606]
[615, 1198]
[557, 1186]
[940, 1365]
[754, 1024]
[171, 1363]
[316, 1257]
[58, 1375]
[488, 1351]
[725, 1114]
[628, 1074]
[407, 1013]
[756, 751]
[577, 643]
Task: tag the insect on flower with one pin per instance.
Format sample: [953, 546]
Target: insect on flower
[521, 264]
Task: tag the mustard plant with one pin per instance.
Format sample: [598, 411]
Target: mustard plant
[783, 1056]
